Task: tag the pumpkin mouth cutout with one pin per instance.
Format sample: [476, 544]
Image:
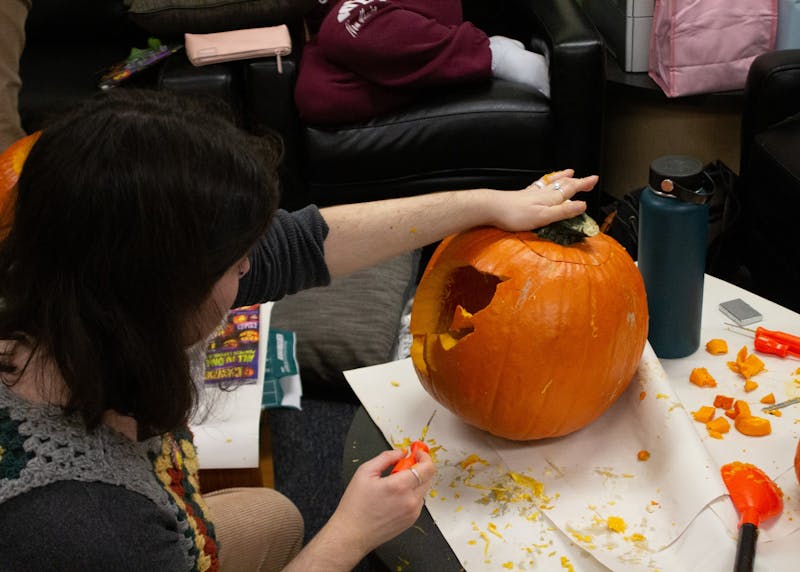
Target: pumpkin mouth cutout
[459, 305]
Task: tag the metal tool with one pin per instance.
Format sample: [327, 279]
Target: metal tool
[410, 459]
[773, 342]
[782, 404]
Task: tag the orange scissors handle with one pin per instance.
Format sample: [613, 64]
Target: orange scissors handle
[410, 459]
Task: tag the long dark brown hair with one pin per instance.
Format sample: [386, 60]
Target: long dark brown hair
[128, 210]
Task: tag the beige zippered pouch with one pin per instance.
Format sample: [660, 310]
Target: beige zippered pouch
[204, 49]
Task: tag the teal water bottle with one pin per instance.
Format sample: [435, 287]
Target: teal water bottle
[673, 235]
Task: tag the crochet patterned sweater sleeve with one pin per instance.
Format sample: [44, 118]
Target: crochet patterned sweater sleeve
[72, 499]
[95, 527]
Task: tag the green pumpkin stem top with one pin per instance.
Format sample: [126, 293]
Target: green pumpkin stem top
[569, 231]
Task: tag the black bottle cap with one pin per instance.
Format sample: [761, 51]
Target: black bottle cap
[681, 177]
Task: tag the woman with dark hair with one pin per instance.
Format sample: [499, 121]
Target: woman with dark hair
[139, 220]
[132, 227]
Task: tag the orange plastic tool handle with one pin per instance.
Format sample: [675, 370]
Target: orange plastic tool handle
[767, 345]
[410, 460]
[793, 342]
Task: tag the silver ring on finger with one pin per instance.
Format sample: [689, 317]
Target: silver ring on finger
[557, 186]
[416, 474]
[539, 183]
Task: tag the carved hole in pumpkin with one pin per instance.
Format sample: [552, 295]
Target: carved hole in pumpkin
[468, 292]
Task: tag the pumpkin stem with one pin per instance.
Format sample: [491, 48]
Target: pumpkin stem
[569, 231]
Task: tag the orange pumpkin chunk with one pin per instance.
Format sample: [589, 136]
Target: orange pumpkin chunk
[704, 414]
[741, 355]
[717, 347]
[723, 402]
[702, 378]
[769, 399]
[720, 425]
[462, 319]
[746, 365]
[750, 385]
[741, 408]
[732, 413]
[751, 366]
[775, 412]
[752, 425]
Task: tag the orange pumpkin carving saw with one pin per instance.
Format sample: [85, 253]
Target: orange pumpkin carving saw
[547, 337]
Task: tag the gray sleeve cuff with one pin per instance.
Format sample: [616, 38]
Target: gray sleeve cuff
[288, 258]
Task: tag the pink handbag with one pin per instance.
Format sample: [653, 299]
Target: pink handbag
[703, 46]
[204, 49]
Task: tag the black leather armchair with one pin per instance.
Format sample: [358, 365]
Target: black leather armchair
[489, 135]
[769, 181]
[757, 248]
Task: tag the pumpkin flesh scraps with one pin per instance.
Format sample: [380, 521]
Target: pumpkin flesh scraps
[746, 365]
[546, 337]
[723, 401]
[701, 378]
[717, 347]
[752, 425]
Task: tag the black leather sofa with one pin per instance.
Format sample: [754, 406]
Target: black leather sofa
[493, 134]
[489, 135]
[760, 250]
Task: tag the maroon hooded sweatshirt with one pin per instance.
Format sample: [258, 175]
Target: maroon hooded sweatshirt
[373, 56]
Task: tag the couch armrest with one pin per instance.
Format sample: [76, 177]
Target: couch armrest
[220, 81]
[771, 94]
[577, 81]
[270, 109]
[269, 96]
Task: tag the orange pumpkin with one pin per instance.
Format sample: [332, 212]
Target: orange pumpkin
[525, 338]
[11, 161]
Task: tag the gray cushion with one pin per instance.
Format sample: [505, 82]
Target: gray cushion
[173, 18]
[352, 323]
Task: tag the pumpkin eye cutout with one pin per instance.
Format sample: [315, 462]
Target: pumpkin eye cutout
[458, 306]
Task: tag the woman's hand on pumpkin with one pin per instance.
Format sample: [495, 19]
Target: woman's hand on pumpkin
[544, 201]
[375, 509]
